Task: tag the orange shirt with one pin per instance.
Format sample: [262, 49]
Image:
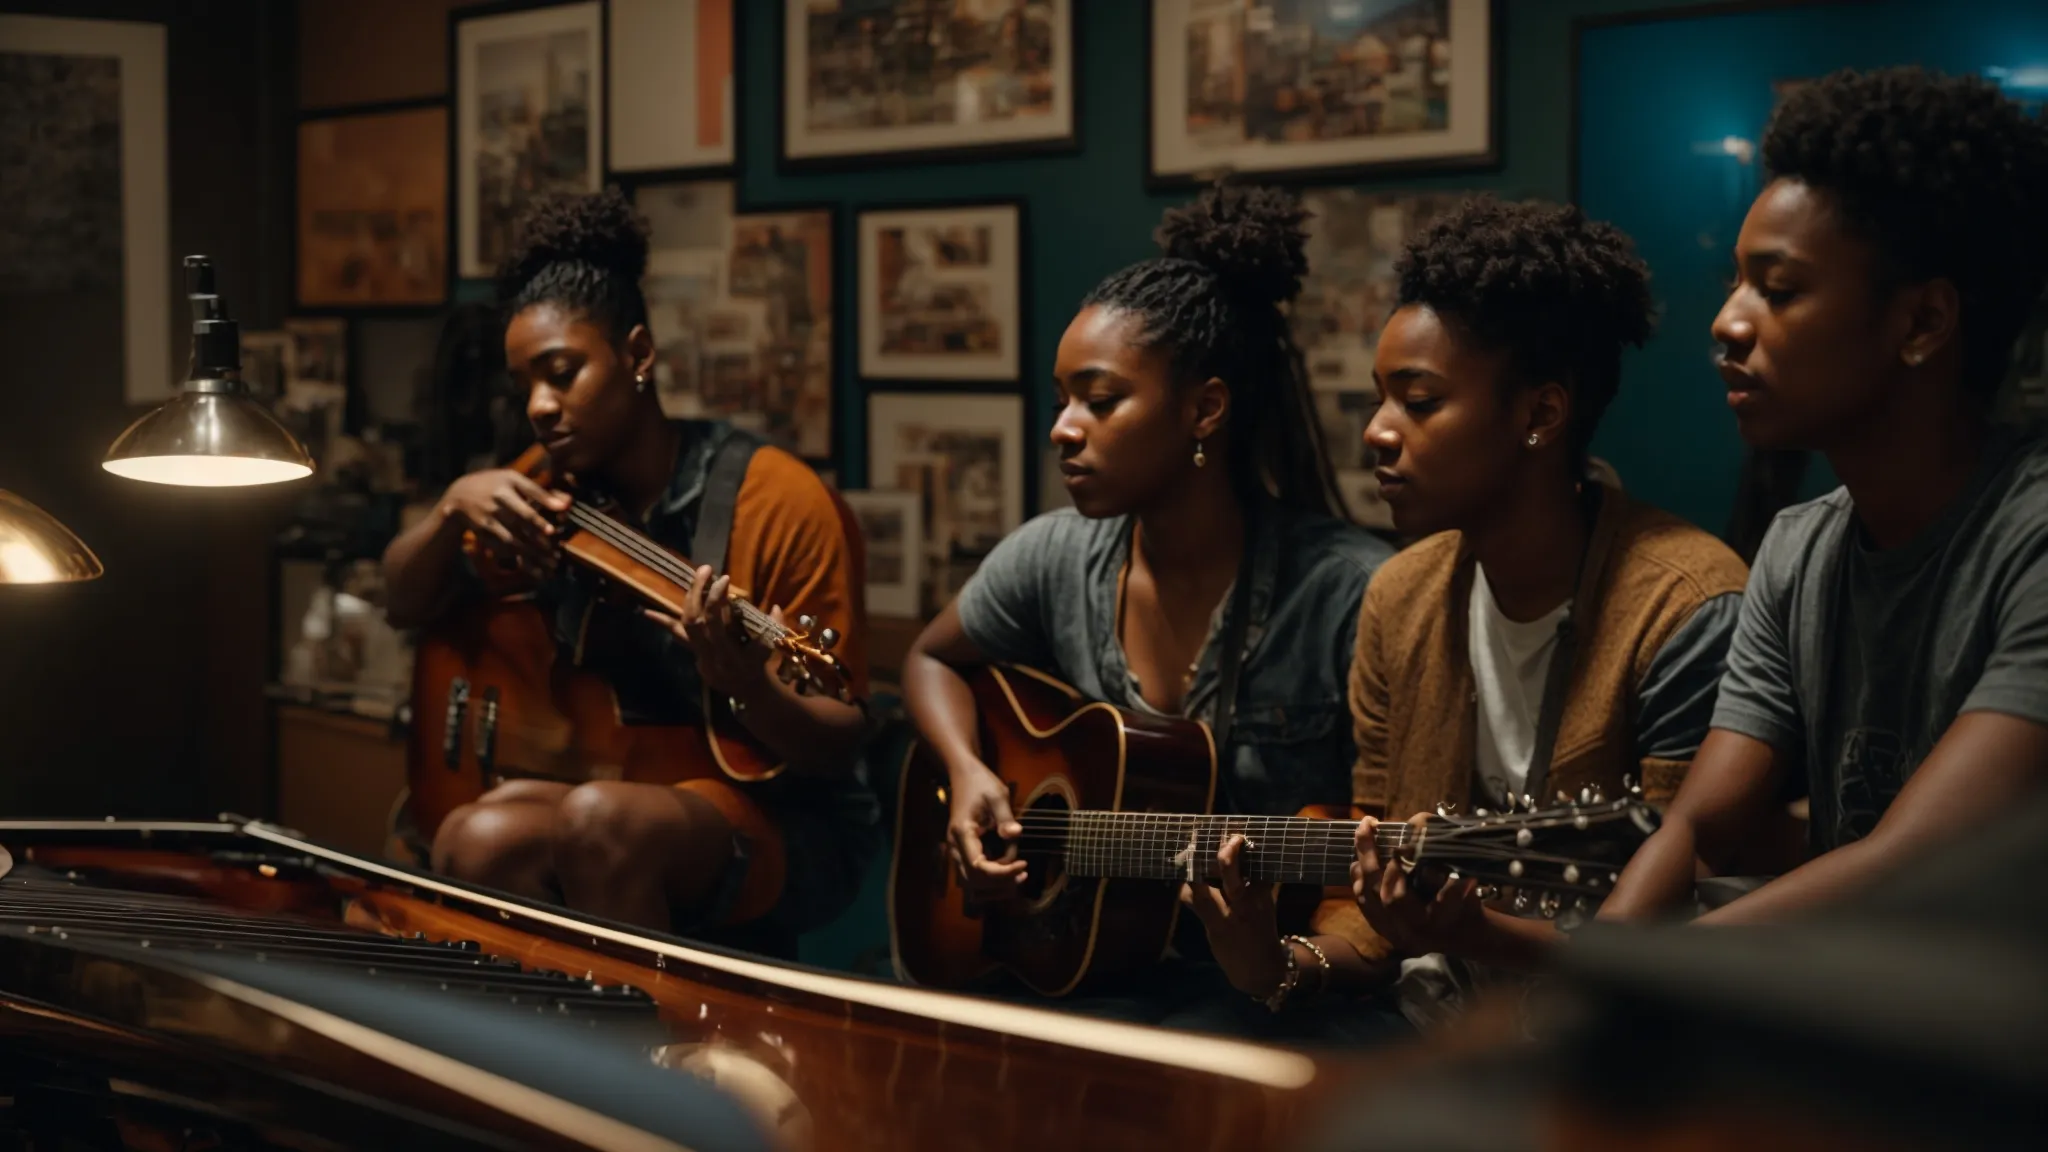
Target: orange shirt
[796, 545]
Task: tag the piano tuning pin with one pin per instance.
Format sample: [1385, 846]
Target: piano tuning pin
[827, 639]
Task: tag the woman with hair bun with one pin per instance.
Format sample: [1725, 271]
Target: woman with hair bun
[1188, 444]
[758, 863]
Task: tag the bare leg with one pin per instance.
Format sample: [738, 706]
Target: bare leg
[633, 852]
[504, 840]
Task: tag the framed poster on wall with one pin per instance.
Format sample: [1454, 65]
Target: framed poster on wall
[670, 72]
[91, 212]
[741, 306]
[963, 453]
[1298, 89]
[373, 210]
[941, 290]
[923, 80]
[529, 117]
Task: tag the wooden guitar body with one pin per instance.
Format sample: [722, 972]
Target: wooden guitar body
[492, 702]
[1056, 751]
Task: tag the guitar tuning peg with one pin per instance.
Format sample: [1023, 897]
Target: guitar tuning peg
[1585, 795]
[1599, 796]
[1549, 905]
[1571, 873]
[1481, 813]
[1515, 869]
[1582, 905]
[1563, 797]
[1521, 901]
[1631, 786]
[1528, 802]
[1487, 892]
[827, 639]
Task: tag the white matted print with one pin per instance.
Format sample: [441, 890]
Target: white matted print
[862, 79]
[528, 120]
[892, 530]
[90, 209]
[939, 293]
[963, 453]
[1302, 85]
[671, 84]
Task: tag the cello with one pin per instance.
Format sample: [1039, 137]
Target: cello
[492, 700]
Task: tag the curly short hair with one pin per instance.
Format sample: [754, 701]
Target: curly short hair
[1559, 293]
[1212, 302]
[585, 252]
[1945, 175]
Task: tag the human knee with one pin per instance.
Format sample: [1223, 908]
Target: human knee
[598, 827]
[479, 843]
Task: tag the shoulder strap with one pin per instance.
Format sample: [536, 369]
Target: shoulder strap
[721, 496]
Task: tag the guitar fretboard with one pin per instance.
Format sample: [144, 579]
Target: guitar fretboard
[1159, 846]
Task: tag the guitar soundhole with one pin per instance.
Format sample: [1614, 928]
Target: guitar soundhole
[1044, 845]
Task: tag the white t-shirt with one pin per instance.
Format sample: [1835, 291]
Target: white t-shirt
[1510, 660]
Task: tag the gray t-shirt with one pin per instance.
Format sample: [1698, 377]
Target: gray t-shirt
[1855, 661]
[1046, 598]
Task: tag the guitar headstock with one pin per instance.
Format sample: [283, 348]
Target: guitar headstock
[807, 659]
[1565, 856]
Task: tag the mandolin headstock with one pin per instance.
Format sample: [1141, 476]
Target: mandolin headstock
[807, 659]
[1563, 857]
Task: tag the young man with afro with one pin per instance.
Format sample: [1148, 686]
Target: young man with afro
[1545, 632]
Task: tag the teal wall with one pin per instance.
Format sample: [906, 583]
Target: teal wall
[1655, 98]
[1653, 87]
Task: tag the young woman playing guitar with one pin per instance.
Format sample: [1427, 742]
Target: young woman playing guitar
[1188, 443]
[780, 856]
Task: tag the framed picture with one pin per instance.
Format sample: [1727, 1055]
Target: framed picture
[924, 80]
[892, 525]
[940, 292]
[670, 72]
[86, 121]
[373, 210]
[1300, 89]
[528, 115]
[1353, 240]
[962, 453]
[741, 306]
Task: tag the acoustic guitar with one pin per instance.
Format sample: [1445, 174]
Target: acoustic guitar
[1116, 813]
[492, 700]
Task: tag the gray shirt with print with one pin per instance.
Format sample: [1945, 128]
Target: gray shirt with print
[1854, 660]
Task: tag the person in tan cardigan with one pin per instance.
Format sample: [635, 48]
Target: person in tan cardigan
[1494, 371]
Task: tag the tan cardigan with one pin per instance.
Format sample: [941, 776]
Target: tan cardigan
[1413, 705]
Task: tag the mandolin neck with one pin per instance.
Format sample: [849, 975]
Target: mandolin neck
[1161, 846]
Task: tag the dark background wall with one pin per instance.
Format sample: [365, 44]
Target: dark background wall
[141, 692]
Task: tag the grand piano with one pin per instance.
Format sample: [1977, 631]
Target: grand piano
[232, 984]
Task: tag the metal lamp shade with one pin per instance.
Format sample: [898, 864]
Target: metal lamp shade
[209, 439]
[36, 549]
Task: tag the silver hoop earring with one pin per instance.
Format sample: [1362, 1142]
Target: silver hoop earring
[1200, 459]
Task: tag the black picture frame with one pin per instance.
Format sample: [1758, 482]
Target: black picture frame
[303, 307]
[1068, 141]
[1489, 158]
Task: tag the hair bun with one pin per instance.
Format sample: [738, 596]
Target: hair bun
[1253, 238]
[600, 229]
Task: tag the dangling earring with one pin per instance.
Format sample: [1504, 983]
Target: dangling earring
[1200, 459]
[640, 382]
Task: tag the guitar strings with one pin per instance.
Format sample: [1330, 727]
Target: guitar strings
[626, 540]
